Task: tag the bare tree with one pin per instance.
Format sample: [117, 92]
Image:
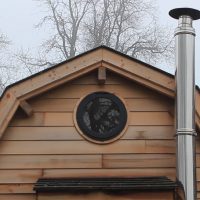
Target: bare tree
[128, 26]
[65, 18]
[4, 75]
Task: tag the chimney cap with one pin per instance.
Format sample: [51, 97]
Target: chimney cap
[177, 12]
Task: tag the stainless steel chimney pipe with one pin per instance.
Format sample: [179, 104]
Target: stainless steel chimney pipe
[185, 105]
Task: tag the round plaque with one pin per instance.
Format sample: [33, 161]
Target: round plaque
[101, 116]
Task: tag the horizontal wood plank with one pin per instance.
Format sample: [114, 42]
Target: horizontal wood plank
[198, 186]
[45, 119]
[41, 133]
[53, 105]
[49, 161]
[66, 119]
[139, 160]
[160, 146]
[70, 133]
[149, 104]
[16, 189]
[150, 118]
[70, 147]
[149, 132]
[125, 91]
[140, 172]
[18, 197]
[102, 196]
[68, 105]
[19, 176]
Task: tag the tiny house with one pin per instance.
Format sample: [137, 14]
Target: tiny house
[100, 125]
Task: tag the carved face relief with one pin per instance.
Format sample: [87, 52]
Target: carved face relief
[101, 116]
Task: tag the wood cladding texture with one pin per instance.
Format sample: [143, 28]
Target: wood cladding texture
[101, 196]
[198, 165]
[47, 143]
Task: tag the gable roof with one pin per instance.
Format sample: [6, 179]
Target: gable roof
[80, 55]
[117, 62]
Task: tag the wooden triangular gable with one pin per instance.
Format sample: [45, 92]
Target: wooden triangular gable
[130, 68]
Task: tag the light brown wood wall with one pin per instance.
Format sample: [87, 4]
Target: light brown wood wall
[100, 196]
[48, 145]
[198, 165]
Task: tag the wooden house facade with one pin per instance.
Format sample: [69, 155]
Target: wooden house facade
[46, 154]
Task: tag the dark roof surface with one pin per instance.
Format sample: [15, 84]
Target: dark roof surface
[105, 184]
[82, 54]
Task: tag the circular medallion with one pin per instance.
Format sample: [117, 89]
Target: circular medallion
[101, 116]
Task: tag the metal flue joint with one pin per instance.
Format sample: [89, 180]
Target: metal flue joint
[185, 105]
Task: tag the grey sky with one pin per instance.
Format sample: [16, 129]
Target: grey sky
[18, 17]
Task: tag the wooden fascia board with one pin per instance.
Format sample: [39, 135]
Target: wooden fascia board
[8, 106]
[140, 72]
[59, 75]
[33, 87]
[141, 80]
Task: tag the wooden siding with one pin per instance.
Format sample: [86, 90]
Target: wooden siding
[100, 196]
[47, 143]
[198, 165]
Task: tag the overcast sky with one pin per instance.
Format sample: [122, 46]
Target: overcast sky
[18, 17]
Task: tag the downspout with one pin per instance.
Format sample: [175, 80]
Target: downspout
[185, 105]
